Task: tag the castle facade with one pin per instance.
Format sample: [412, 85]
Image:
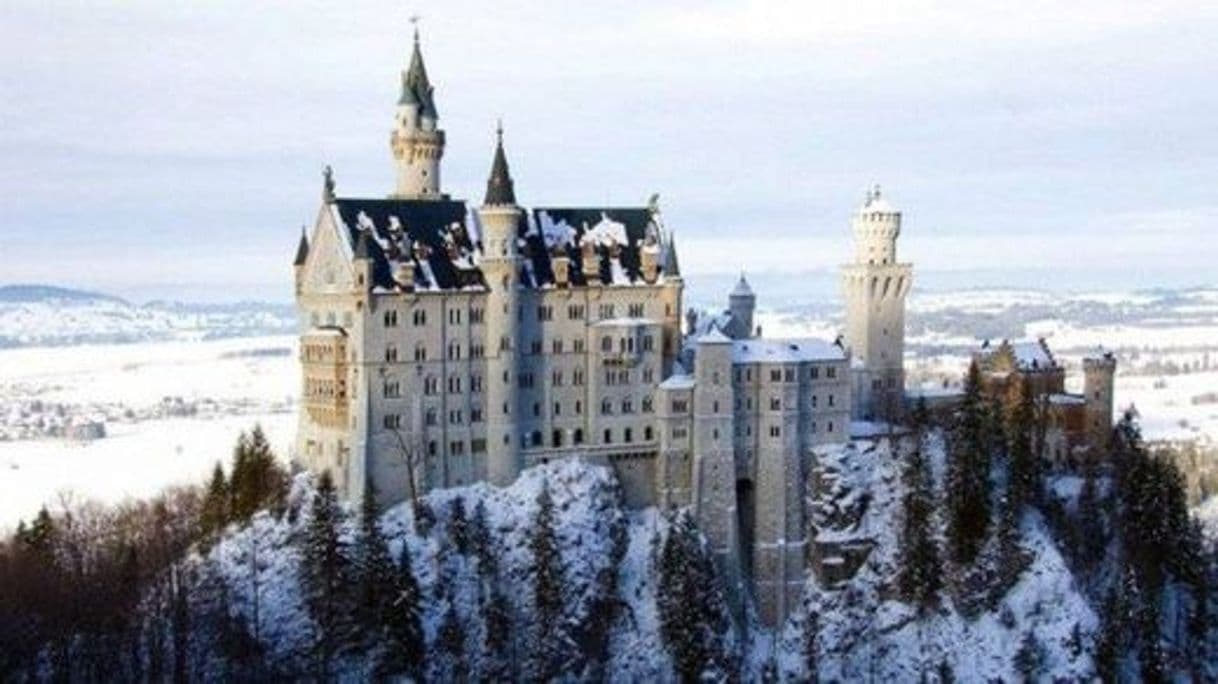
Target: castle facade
[443, 343]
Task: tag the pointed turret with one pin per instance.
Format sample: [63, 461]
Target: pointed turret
[499, 187]
[416, 88]
[741, 303]
[302, 249]
[416, 141]
[671, 267]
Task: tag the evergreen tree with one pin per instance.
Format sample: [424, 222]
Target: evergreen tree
[451, 642]
[548, 591]
[920, 576]
[968, 467]
[238, 478]
[480, 544]
[497, 644]
[375, 574]
[1092, 536]
[214, 514]
[458, 525]
[1024, 476]
[326, 574]
[693, 614]
[1029, 658]
[404, 637]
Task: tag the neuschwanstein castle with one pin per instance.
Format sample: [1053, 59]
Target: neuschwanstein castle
[444, 343]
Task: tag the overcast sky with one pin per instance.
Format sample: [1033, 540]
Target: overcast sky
[153, 148]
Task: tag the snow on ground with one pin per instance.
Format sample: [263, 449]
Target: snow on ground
[225, 386]
[135, 461]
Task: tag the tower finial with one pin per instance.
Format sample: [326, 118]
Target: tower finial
[499, 187]
[327, 185]
[499, 131]
[414, 21]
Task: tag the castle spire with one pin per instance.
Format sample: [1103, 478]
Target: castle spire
[302, 249]
[416, 87]
[499, 187]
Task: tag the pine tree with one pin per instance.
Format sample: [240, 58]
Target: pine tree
[920, 576]
[968, 468]
[404, 638]
[693, 614]
[548, 590]
[451, 642]
[375, 574]
[1024, 477]
[1029, 658]
[458, 526]
[238, 487]
[497, 644]
[480, 544]
[214, 514]
[1092, 536]
[325, 574]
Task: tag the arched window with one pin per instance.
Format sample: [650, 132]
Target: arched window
[556, 438]
[578, 437]
[535, 438]
[648, 435]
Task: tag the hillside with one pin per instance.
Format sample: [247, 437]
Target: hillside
[42, 315]
[864, 631]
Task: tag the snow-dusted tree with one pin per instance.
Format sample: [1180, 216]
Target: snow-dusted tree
[214, 514]
[325, 575]
[497, 658]
[481, 545]
[1023, 479]
[693, 612]
[920, 571]
[374, 573]
[1091, 534]
[967, 487]
[1029, 658]
[450, 643]
[404, 641]
[548, 639]
[458, 525]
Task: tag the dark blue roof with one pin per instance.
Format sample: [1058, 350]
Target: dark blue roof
[442, 226]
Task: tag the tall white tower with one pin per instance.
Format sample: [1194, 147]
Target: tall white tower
[875, 286]
[416, 141]
[500, 217]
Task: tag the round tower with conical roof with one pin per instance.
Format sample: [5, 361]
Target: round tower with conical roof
[499, 219]
[416, 140]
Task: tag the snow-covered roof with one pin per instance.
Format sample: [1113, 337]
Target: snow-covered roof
[442, 239]
[876, 202]
[1028, 355]
[785, 351]
[678, 382]
[742, 288]
[714, 336]
[1068, 399]
[623, 322]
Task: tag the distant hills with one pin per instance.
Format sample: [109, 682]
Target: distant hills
[37, 315]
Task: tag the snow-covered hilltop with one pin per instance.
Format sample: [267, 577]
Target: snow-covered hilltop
[40, 315]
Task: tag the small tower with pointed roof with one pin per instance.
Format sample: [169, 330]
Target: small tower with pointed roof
[416, 140]
[499, 218]
[741, 304]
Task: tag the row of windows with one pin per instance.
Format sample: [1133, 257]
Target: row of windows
[418, 317]
[545, 312]
[625, 345]
[788, 374]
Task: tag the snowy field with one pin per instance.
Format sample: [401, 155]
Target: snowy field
[170, 410]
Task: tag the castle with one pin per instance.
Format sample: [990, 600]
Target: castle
[443, 344]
